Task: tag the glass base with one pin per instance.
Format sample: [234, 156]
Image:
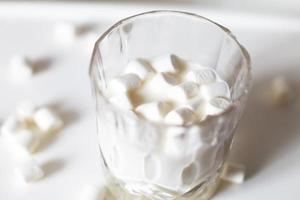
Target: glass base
[117, 192]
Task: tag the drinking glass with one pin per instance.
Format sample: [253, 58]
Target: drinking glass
[156, 160]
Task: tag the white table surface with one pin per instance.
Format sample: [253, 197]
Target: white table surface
[267, 141]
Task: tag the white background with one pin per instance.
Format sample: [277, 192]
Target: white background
[268, 139]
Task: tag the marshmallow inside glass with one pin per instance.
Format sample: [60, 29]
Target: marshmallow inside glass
[170, 88]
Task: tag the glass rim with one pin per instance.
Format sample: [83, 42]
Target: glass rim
[225, 30]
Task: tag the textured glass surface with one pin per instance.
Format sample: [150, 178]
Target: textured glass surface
[133, 150]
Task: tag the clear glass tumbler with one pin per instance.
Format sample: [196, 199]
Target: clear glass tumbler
[160, 161]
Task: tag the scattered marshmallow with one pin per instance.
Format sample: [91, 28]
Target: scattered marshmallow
[30, 171]
[27, 139]
[215, 89]
[184, 91]
[234, 173]
[91, 192]
[139, 67]
[154, 111]
[202, 76]
[20, 68]
[122, 101]
[180, 116]
[10, 126]
[46, 120]
[65, 32]
[25, 110]
[280, 91]
[124, 83]
[170, 63]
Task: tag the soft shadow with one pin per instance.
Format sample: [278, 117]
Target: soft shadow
[41, 65]
[53, 166]
[265, 130]
[85, 28]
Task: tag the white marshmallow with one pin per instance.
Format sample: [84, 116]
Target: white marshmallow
[10, 126]
[184, 91]
[234, 173]
[215, 89]
[154, 111]
[214, 106]
[169, 63]
[25, 110]
[28, 140]
[201, 76]
[122, 101]
[46, 120]
[139, 67]
[65, 32]
[280, 91]
[220, 102]
[91, 192]
[181, 115]
[159, 84]
[30, 171]
[199, 107]
[124, 84]
[20, 68]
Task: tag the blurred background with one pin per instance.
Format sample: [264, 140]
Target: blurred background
[267, 141]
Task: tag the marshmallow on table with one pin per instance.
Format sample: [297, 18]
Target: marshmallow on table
[46, 120]
[201, 76]
[122, 101]
[234, 173]
[91, 192]
[27, 139]
[280, 91]
[30, 171]
[180, 116]
[65, 32]
[154, 111]
[10, 126]
[170, 63]
[20, 68]
[124, 83]
[25, 110]
[183, 92]
[139, 67]
[209, 91]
